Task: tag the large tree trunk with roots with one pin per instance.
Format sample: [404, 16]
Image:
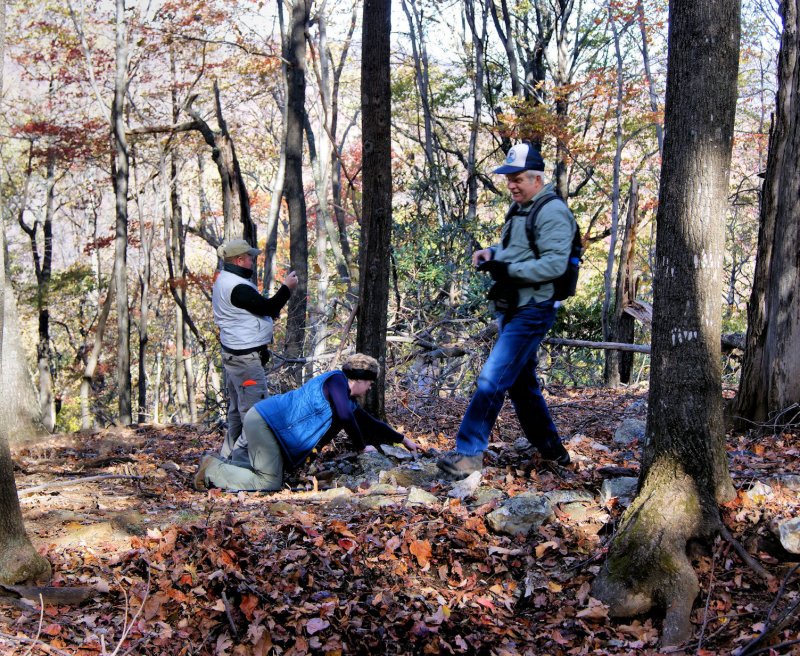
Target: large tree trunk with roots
[770, 382]
[376, 222]
[19, 561]
[684, 468]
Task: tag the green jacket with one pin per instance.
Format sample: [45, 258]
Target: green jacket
[555, 228]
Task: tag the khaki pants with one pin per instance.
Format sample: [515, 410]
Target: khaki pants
[247, 385]
[263, 469]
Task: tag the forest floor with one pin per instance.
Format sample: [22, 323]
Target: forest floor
[162, 569]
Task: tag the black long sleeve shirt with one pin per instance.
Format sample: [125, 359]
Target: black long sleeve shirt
[247, 298]
[361, 427]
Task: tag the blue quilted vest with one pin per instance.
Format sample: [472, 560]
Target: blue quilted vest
[299, 418]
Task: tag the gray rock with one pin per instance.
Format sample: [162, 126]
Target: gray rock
[582, 513]
[465, 488]
[376, 501]
[399, 452]
[623, 488]
[789, 482]
[630, 430]
[789, 534]
[570, 496]
[578, 505]
[638, 407]
[334, 495]
[484, 495]
[373, 463]
[522, 444]
[759, 491]
[419, 474]
[519, 514]
[419, 497]
[385, 488]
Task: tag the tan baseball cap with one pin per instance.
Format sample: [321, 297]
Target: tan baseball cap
[235, 248]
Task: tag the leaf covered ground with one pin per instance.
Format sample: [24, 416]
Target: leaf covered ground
[174, 571]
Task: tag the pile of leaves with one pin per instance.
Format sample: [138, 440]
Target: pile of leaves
[174, 571]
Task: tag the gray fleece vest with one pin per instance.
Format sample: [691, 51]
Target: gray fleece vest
[238, 328]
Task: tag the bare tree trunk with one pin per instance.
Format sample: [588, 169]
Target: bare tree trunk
[293, 192]
[42, 266]
[19, 561]
[120, 178]
[650, 85]
[321, 162]
[319, 314]
[91, 354]
[479, 37]
[235, 200]
[146, 235]
[376, 223]
[416, 28]
[93, 357]
[684, 466]
[338, 146]
[157, 390]
[615, 190]
[618, 364]
[770, 381]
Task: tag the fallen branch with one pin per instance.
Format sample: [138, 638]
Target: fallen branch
[609, 346]
[751, 562]
[86, 479]
[770, 627]
[22, 640]
[229, 614]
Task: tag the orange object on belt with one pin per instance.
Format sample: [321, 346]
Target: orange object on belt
[248, 383]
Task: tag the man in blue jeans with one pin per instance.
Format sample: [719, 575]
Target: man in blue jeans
[523, 297]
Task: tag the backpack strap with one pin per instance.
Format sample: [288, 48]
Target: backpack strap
[530, 220]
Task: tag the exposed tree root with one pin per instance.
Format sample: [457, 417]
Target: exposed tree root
[19, 562]
[647, 566]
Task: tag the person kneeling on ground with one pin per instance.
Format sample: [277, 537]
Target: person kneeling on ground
[283, 430]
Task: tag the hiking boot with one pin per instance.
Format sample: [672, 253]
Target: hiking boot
[558, 455]
[460, 466]
[200, 474]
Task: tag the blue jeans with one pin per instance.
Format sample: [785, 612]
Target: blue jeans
[511, 368]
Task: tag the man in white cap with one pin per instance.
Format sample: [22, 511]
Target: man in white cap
[523, 270]
[244, 318]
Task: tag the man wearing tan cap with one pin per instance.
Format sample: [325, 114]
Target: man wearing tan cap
[244, 318]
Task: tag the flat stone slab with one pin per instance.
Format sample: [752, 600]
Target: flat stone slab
[520, 514]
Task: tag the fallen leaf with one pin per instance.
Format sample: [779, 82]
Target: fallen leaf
[316, 625]
[422, 550]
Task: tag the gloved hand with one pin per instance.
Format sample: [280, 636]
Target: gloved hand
[498, 270]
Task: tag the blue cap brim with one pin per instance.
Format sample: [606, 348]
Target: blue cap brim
[506, 168]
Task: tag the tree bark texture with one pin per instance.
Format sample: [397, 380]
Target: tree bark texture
[120, 178]
[684, 467]
[618, 364]
[770, 383]
[42, 266]
[19, 561]
[376, 221]
[235, 199]
[293, 192]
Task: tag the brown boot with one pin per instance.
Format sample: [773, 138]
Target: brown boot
[200, 474]
[460, 466]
